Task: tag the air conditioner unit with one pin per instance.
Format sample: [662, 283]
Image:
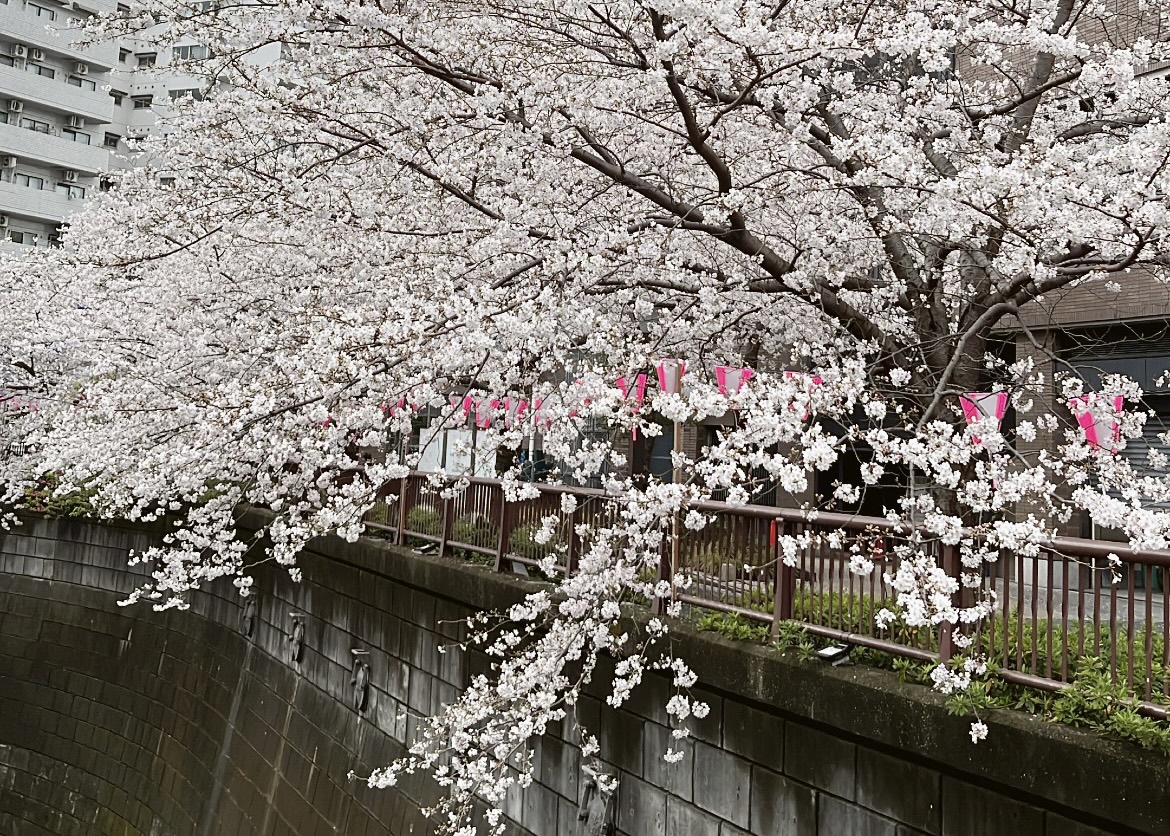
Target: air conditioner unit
[15, 105]
[3, 221]
[82, 69]
[19, 51]
[70, 175]
[76, 122]
[38, 55]
[7, 161]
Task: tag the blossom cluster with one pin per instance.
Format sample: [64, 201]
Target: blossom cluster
[379, 211]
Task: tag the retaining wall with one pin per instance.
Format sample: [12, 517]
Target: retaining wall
[126, 721]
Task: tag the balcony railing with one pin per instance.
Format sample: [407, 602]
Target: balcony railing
[24, 28]
[55, 94]
[1068, 607]
[43, 204]
[52, 148]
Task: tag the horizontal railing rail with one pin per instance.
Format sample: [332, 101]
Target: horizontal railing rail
[1071, 605]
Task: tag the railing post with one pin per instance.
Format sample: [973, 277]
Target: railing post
[506, 523]
[574, 545]
[402, 510]
[665, 555]
[448, 524]
[785, 581]
[952, 566]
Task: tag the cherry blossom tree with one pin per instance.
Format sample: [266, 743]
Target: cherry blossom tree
[529, 199]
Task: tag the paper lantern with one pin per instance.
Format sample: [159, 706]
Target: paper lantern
[639, 393]
[731, 379]
[639, 388]
[1101, 430]
[514, 409]
[485, 412]
[670, 375]
[808, 382]
[538, 417]
[980, 405]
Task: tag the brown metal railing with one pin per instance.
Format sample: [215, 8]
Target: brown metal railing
[1057, 611]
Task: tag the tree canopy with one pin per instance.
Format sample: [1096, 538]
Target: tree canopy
[377, 205]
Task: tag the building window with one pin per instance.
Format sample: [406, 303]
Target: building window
[105, 184]
[123, 56]
[70, 191]
[83, 83]
[166, 182]
[76, 136]
[142, 102]
[193, 92]
[146, 59]
[111, 141]
[117, 96]
[40, 69]
[29, 180]
[7, 60]
[193, 52]
[34, 125]
[123, 9]
[41, 11]
[18, 237]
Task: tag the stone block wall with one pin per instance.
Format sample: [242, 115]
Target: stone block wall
[127, 721]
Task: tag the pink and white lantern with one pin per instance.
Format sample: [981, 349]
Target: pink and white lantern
[539, 419]
[639, 393]
[638, 390]
[670, 375]
[1102, 429]
[731, 379]
[484, 412]
[514, 409]
[807, 381]
[980, 405]
[465, 403]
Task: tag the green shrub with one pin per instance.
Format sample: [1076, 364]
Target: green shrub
[41, 499]
[520, 541]
[733, 626]
[380, 513]
[475, 530]
[423, 520]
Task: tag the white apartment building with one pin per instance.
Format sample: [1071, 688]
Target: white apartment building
[66, 111]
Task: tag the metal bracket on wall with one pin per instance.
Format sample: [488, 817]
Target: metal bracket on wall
[360, 679]
[248, 615]
[296, 637]
[595, 806]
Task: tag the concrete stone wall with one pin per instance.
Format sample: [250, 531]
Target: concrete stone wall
[126, 721]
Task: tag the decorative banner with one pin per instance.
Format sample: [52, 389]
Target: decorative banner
[514, 409]
[806, 379]
[816, 379]
[731, 379]
[484, 412]
[670, 375]
[639, 396]
[465, 403]
[979, 405]
[18, 402]
[1101, 431]
[639, 389]
[538, 417]
[392, 409]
